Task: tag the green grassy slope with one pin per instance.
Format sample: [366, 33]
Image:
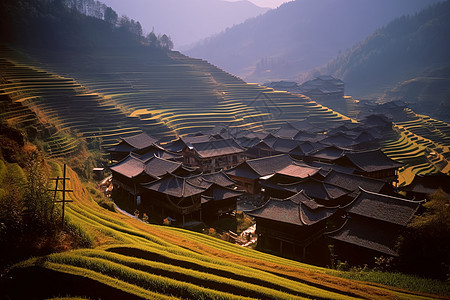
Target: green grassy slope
[135, 260]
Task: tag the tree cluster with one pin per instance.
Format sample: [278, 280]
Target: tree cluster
[75, 24]
[101, 11]
[425, 247]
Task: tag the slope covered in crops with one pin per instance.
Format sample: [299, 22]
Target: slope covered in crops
[132, 259]
[117, 93]
[421, 143]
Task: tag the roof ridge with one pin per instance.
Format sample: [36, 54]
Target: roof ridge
[338, 229]
[392, 197]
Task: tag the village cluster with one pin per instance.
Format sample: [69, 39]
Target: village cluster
[305, 186]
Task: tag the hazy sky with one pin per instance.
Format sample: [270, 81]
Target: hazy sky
[266, 3]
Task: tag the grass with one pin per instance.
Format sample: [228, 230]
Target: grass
[134, 259]
[152, 261]
[401, 281]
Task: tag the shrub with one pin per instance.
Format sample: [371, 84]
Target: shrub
[424, 248]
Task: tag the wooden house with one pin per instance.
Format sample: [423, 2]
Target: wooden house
[328, 154]
[175, 196]
[373, 163]
[323, 193]
[213, 155]
[217, 200]
[199, 197]
[130, 172]
[179, 144]
[140, 142]
[353, 182]
[287, 227]
[374, 222]
[247, 173]
[424, 185]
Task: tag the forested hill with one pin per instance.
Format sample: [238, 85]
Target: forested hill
[407, 48]
[298, 36]
[71, 25]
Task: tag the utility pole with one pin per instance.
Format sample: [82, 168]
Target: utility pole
[64, 191]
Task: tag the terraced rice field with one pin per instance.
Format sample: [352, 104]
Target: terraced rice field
[422, 144]
[134, 260]
[115, 95]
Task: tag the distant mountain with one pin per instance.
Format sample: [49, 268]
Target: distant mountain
[298, 36]
[187, 21]
[409, 59]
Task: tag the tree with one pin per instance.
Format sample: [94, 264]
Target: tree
[110, 17]
[37, 200]
[425, 248]
[152, 40]
[166, 42]
[135, 28]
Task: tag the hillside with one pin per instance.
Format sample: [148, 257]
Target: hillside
[103, 93]
[165, 16]
[297, 36]
[134, 260]
[411, 51]
[63, 92]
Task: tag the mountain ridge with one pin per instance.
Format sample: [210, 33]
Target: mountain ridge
[297, 37]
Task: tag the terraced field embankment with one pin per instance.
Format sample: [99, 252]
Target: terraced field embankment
[115, 94]
[134, 260]
[422, 144]
[111, 94]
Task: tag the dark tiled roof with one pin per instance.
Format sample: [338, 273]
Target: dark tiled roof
[265, 144]
[248, 142]
[121, 147]
[298, 151]
[217, 148]
[328, 153]
[382, 207]
[298, 170]
[140, 141]
[428, 184]
[284, 145]
[129, 167]
[157, 167]
[365, 137]
[174, 146]
[200, 138]
[180, 143]
[303, 136]
[371, 161]
[219, 178]
[312, 213]
[352, 182]
[174, 186]
[340, 140]
[270, 165]
[199, 181]
[285, 211]
[158, 152]
[317, 189]
[216, 192]
[286, 132]
[327, 167]
[298, 209]
[367, 235]
[243, 170]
